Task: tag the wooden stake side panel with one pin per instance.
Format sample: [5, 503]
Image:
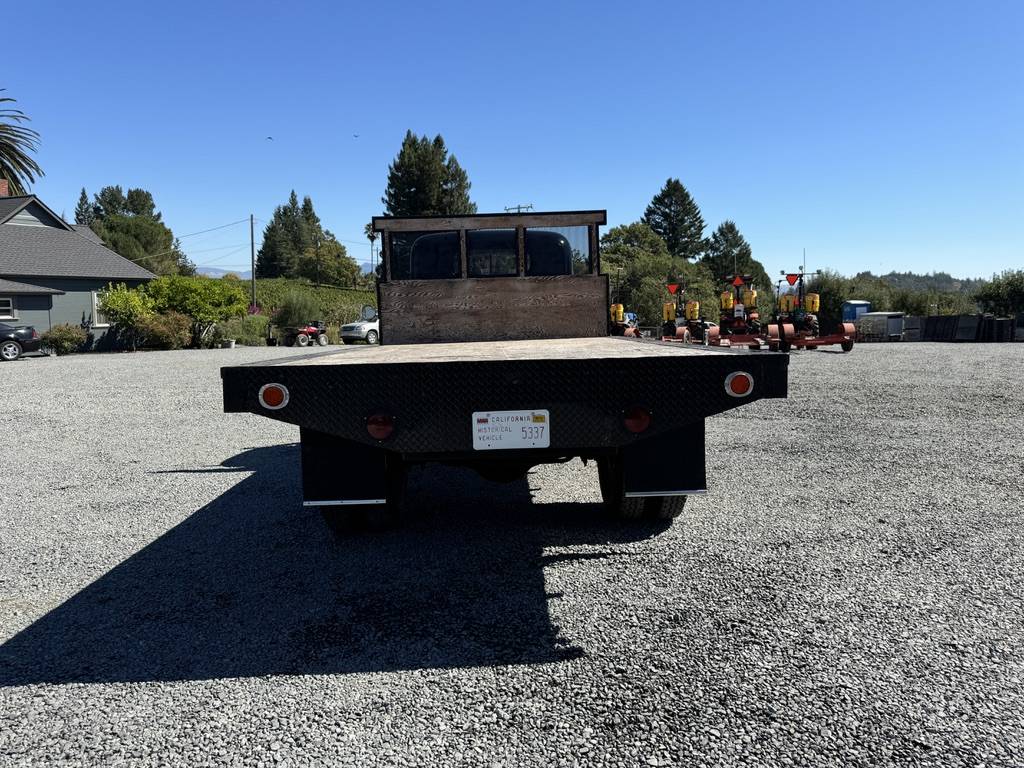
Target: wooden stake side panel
[493, 309]
[489, 221]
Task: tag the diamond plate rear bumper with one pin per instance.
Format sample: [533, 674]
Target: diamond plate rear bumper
[432, 403]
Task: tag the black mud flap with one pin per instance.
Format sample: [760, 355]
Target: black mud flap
[337, 472]
[667, 464]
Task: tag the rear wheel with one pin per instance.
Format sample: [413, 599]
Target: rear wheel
[610, 476]
[846, 346]
[10, 350]
[371, 337]
[302, 339]
[322, 340]
[664, 507]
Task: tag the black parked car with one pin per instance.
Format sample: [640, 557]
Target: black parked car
[14, 341]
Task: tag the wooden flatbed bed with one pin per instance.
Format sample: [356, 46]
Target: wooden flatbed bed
[609, 347]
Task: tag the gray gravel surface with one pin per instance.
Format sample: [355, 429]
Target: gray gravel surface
[849, 593]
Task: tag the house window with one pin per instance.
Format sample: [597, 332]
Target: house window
[99, 320]
[7, 310]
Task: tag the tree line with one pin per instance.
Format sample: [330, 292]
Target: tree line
[130, 225]
[666, 245]
[296, 245]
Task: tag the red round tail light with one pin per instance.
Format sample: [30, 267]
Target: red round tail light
[273, 396]
[739, 384]
[636, 419]
[380, 426]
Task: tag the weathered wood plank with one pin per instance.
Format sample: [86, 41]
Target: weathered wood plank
[541, 349]
[488, 309]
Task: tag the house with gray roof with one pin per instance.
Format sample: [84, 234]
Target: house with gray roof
[51, 271]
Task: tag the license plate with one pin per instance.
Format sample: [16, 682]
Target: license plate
[495, 430]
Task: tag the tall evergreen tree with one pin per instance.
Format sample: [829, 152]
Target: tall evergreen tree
[83, 211]
[295, 244]
[674, 216]
[274, 258]
[109, 201]
[309, 217]
[729, 253]
[139, 202]
[131, 226]
[424, 180]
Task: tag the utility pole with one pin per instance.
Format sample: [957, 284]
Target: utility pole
[252, 254]
[519, 208]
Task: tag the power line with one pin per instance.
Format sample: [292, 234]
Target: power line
[220, 248]
[212, 229]
[152, 256]
[225, 256]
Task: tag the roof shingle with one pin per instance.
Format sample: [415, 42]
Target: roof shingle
[11, 287]
[8, 205]
[86, 231]
[52, 252]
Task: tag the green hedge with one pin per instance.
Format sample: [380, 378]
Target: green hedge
[250, 330]
[335, 305]
[64, 339]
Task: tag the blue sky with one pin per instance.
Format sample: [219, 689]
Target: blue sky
[881, 136]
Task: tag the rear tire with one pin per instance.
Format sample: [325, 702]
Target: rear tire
[664, 507]
[10, 350]
[322, 340]
[371, 337]
[302, 340]
[633, 508]
[846, 346]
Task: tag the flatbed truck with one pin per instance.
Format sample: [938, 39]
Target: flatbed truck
[496, 353]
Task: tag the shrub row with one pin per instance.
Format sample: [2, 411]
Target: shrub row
[334, 306]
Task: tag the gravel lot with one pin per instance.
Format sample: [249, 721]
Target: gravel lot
[849, 593]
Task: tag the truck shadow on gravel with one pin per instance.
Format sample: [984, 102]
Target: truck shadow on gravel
[252, 584]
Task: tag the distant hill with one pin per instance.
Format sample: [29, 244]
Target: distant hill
[216, 272]
[939, 282]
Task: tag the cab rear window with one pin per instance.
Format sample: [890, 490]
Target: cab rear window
[424, 255]
[492, 253]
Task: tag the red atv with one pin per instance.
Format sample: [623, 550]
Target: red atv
[313, 333]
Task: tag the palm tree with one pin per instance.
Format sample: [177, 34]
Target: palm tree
[16, 141]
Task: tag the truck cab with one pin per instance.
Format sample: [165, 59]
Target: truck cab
[491, 277]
